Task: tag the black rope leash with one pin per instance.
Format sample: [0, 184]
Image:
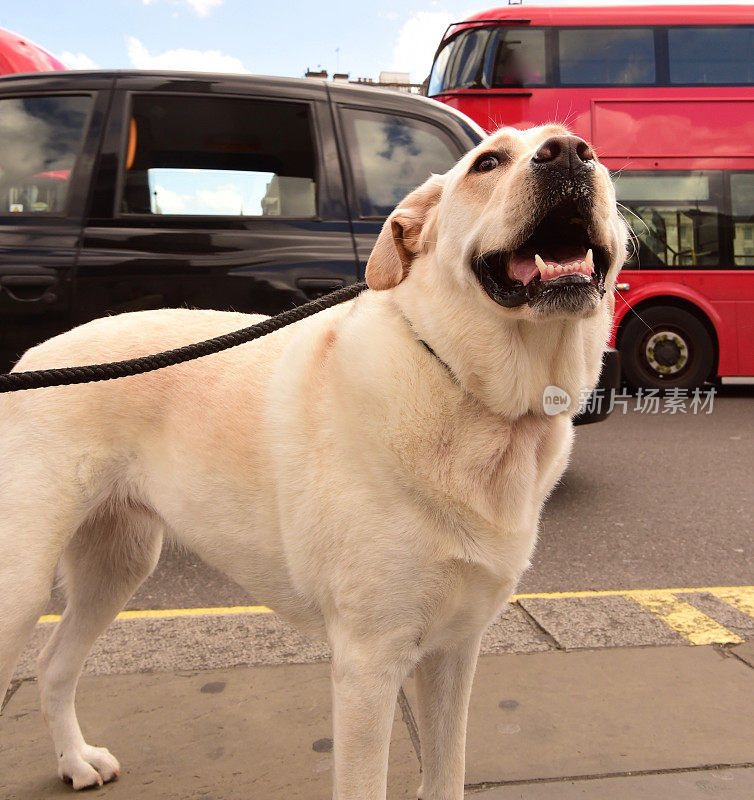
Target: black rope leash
[65, 376]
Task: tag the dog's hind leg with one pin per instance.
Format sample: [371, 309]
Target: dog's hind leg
[37, 520]
[107, 559]
[27, 569]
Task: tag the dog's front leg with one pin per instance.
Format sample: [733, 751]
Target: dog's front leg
[365, 688]
[443, 686]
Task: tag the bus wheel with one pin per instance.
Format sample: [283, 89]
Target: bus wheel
[674, 352]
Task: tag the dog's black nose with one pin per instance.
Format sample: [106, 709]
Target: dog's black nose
[564, 152]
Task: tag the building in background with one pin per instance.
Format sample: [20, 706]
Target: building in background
[398, 81]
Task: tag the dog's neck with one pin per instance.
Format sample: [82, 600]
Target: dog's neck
[507, 364]
[426, 346]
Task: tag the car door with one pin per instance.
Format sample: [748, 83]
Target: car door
[215, 193]
[49, 131]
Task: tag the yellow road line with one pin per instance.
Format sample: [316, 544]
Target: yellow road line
[684, 618]
[681, 616]
[741, 597]
[169, 613]
[629, 592]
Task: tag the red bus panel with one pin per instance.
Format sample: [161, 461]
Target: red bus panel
[677, 128]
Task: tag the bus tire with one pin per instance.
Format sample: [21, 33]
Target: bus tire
[676, 351]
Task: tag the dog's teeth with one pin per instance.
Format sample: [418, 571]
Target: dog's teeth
[541, 266]
[589, 261]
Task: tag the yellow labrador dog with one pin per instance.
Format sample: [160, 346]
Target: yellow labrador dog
[374, 473]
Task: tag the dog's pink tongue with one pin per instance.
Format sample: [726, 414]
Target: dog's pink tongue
[522, 268]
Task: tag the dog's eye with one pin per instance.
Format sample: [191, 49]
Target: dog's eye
[486, 163]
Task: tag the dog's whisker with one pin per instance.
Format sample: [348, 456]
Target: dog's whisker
[634, 311]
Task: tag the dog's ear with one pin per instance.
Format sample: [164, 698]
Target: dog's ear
[399, 240]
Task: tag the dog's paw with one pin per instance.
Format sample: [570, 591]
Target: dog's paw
[90, 766]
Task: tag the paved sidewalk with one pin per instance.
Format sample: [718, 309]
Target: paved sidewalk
[662, 723]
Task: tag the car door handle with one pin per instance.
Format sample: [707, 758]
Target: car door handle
[29, 288]
[317, 287]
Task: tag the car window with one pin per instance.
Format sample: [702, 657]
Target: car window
[711, 55]
[193, 155]
[391, 155]
[606, 56]
[40, 138]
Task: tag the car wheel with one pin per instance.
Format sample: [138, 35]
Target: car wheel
[668, 348]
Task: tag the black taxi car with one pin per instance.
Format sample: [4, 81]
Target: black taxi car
[124, 191]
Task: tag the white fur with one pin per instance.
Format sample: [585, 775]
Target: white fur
[334, 468]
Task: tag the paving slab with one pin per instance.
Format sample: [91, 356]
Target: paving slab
[745, 652]
[218, 641]
[236, 734]
[186, 643]
[727, 784]
[513, 632]
[615, 710]
[540, 720]
[611, 621]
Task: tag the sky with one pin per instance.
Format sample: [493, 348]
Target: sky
[268, 38]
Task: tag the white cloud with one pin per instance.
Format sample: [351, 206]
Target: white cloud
[182, 59]
[170, 202]
[201, 7]
[417, 41]
[77, 60]
[225, 200]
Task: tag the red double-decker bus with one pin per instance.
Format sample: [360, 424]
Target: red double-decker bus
[666, 96]
[19, 54]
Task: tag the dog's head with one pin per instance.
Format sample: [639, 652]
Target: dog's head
[522, 233]
[531, 215]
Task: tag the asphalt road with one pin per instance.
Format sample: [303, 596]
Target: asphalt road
[649, 501]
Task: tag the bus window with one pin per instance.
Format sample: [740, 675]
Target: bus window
[464, 65]
[742, 197]
[606, 56]
[437, 80]
[711, 55]
[674, 217]
[519, 57]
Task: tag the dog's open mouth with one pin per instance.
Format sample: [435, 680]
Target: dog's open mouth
[559, 259]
